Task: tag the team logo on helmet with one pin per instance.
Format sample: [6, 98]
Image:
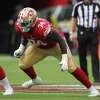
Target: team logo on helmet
[27, 18]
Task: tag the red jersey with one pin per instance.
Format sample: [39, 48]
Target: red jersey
[39, 33]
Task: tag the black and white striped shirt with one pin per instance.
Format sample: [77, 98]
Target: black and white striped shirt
[87, 15]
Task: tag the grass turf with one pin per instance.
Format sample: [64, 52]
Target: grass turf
[48, 96]
[49, 71]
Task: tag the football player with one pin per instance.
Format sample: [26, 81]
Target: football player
[5, 83]
[46, 41]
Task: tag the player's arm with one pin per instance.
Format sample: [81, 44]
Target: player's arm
[54, 36]
[21, 49]
[24, 42]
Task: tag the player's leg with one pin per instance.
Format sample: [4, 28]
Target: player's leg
[31, 56]
[5, 83]
[77, 72]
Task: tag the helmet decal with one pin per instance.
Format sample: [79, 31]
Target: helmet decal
[27, 18]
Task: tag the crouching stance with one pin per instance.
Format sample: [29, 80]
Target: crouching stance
[46, 41]
[5, 83]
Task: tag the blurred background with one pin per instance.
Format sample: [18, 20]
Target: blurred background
[58, 12]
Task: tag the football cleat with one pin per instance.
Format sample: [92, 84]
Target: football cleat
[9, 92]
[94, 93]
[30, 83]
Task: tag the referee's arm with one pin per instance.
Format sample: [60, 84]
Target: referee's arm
[73, 25]
[73, 30]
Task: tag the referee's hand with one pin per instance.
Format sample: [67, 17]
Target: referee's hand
[73, 37]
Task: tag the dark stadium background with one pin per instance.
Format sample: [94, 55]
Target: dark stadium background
[7, 9]
[9, 42]
[7, 6]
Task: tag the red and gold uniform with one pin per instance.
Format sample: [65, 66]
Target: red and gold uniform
[46, 41]
[39, 33]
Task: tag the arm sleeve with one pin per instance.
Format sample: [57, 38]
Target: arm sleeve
[24, 41]
[54, 36]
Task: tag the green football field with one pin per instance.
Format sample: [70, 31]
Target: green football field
[49, 71]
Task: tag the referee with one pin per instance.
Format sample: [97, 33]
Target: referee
[85, 18]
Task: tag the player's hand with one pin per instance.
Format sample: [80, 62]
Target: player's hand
[19, 51]
[64, 62]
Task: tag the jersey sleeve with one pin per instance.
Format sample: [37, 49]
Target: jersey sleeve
[57, 37]
[75, 12]
[43, 28]
[17, 27]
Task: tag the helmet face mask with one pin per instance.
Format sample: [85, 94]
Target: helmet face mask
[26, 25]
[27, 19]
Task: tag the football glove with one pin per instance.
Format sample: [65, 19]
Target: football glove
[64, 62]
[19, 51]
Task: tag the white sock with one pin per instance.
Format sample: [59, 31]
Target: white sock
[5, 83]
